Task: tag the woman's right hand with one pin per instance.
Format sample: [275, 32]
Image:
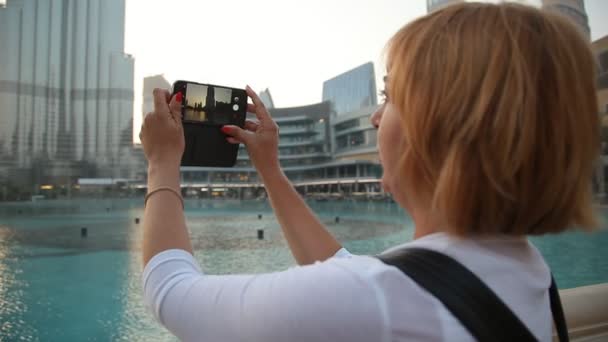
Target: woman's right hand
[261, 138]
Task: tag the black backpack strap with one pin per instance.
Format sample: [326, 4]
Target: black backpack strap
[475, 305]
[558, 313]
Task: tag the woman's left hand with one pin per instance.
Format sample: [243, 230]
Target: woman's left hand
[162, 134]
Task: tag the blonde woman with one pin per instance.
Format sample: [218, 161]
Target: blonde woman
[488, 134]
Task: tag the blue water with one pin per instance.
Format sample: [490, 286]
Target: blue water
[57, 286]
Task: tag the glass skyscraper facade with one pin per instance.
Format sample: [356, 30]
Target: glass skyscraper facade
[66, 89]
[574, 10]
[352, 90]
[433, 5]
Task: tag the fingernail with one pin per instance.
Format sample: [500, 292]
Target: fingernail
[225, 129]
[248, 87]
[178, 97]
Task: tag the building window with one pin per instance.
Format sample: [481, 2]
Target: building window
[602, 81]
[356, 139]
[347, 125]
[603, 58]
[342, 142]
[331, 172]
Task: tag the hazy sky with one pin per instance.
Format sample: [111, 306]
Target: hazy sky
[288, 46]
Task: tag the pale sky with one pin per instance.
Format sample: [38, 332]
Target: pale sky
[288, 46]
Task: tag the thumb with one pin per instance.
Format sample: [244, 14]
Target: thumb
[237, 134]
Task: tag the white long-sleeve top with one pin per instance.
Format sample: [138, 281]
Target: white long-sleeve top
[346, 298]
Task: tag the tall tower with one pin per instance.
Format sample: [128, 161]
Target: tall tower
[66, 86]
[573, 10]
[433, 5]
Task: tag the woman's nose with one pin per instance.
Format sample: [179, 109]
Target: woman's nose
[377, 116]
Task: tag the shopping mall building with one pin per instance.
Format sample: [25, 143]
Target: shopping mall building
[327, 149]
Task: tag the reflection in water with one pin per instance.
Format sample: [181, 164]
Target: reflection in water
[13, 325]
[207, 233]
[133, 319]
[57, 286]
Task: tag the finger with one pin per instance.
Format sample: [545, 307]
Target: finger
[260, 110]
[237, 133]
[175, 106]
[160, 100]
[233, 140]
[251, 126]
[147, 119]
[251, 108]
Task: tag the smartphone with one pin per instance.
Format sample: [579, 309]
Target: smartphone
[205, 109]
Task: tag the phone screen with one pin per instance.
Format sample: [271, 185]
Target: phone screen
[211, 104]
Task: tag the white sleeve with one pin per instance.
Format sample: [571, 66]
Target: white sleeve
[342, 253]
[320, 302]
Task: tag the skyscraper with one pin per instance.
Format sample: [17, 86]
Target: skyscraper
[433, 5]
[266, 98]
[66, 86]
[151, 82]
[352, 90]
[573, 10]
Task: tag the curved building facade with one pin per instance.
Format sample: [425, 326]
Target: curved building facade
[355, 137]
[306, 156]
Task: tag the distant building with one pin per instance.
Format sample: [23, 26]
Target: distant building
[324, 155]
[66, 90]
[151, 82]
[266, 98]
[352, 90]
[573, 10]
[433, 5]
[305, 155]
[600, 48]
[355, 137]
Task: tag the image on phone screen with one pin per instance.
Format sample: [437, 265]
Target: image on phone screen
[209, 104]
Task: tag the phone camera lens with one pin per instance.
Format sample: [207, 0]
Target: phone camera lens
[236, 99]
[235, 107]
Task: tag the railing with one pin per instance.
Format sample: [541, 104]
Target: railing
[586, 310]
[292, 156]
[358, 128]
[365, 147]
[297, 130]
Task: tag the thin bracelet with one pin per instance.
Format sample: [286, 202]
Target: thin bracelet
[163, 188]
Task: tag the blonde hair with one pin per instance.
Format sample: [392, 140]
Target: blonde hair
[499, 112]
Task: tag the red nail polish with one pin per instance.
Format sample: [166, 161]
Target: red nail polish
[178, 97]
[226, 129]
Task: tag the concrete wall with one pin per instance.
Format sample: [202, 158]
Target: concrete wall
[586, 310]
